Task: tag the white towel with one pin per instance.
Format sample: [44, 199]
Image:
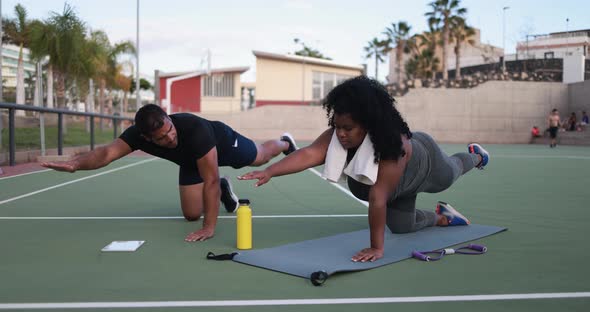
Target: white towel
[361, 167]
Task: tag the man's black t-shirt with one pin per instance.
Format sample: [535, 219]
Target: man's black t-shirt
[196, 137]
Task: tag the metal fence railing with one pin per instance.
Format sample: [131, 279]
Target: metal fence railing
[12, 108]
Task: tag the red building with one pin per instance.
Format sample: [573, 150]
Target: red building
[199, 91]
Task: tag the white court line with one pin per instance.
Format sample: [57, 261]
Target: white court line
[283, 302]
[24, 174]
[540, 156]
[180, 217]
[74, 181]
[340, 187]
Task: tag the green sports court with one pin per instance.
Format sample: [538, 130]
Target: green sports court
[53, 226]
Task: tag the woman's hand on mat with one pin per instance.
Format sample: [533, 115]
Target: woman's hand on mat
[262, 176]
[68, 166]
[200, 235]
[368, 254]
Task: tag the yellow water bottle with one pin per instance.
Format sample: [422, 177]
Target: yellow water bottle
[244, 222]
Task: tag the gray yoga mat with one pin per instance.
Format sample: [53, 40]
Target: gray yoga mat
[332, 254]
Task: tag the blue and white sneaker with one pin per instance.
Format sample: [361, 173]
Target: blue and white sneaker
[287, 137]
[475, 148]
[452, 215]
[228, 197]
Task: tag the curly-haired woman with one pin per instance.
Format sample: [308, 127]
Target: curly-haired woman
[385, 162]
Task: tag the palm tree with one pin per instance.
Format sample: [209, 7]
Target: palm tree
[460, 33]
[41, 37]
[307, 51]
[398, 35]
[65, 49]
[112, 66]
[443, 11]
[422, 64]
[376, 48]
[423, 47]
[17, 31]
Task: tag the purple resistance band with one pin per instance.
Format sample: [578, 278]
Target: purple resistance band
[471, 249]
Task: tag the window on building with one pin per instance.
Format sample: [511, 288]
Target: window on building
[549, 55]
[324, 82]
[218, 85]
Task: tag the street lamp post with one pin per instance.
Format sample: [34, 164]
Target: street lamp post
[137, 96]
[567, 35]
[504, 38]
[1, 98]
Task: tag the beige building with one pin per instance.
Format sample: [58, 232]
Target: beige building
[474, 54]
[297, 80]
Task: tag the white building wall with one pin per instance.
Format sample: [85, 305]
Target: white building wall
[558, 45]
[10, 64]
[573, 68]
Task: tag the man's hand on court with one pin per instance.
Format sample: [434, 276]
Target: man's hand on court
[68, 166]
[368, 254]
[200, 235]
[262, 176]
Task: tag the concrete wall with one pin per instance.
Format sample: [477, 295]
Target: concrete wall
[216, 105]
[579, 98]
[494, 112]
[269, 122]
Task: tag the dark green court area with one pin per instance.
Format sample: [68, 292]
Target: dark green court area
[53, 226]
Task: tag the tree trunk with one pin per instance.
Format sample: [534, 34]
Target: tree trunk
[89, 102]
[61, 96]
[110, 106]
[37, 95]
[458, 60]
[101, 100]
[20, 78]
[125, 103]
[376, 65]
[398, 59]
[444, 51]
[61, 89]
[49, 86]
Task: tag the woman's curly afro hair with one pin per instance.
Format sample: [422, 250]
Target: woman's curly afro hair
[369, 104]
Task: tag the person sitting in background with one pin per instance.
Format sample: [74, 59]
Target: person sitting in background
[584, 122]
[571, 122]
[535, 133]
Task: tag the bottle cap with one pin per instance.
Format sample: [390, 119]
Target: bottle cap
[244, 201]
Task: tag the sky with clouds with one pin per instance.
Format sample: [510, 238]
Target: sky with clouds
[175, 35]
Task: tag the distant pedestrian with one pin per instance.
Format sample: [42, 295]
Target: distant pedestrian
[553, 122]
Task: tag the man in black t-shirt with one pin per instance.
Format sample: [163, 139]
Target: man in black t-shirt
[199, 147]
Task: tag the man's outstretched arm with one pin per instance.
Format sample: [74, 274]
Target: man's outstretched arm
[95, 159]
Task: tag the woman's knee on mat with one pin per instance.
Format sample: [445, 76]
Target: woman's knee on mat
[401, 228]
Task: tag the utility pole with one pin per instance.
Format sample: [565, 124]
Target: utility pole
[137, 96]
[567, 35]
[504, 38]
[1, 83]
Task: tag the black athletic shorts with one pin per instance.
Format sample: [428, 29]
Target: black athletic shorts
[242, 152]
[553, 132]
